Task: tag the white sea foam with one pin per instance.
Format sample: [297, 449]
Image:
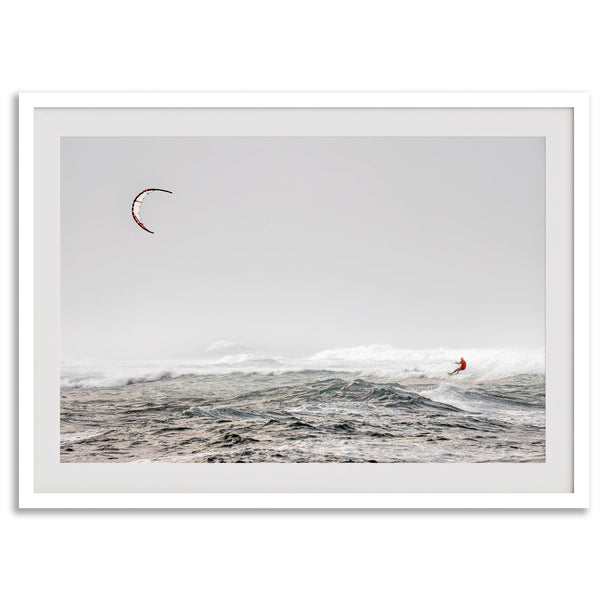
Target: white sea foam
[376, 360]
[446, 393]
[78, 436]
[387, 360]
[110, 376]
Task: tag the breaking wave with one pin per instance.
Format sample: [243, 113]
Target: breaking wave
[377, 360]
[481, 363]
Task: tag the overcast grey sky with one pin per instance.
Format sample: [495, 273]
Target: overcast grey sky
[301, 243]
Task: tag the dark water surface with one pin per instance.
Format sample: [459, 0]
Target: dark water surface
[305, 416]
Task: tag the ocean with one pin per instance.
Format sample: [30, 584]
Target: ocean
[362, 404]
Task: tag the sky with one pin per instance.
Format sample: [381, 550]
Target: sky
[300, 244]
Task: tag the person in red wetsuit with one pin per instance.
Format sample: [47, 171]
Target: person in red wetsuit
[463, 366]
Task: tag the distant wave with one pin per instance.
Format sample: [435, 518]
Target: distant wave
[226, 347]
[481, 363]
[106, 379]
[377, 360]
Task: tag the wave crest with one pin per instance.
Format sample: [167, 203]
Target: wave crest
[378, 360]
[481, 363]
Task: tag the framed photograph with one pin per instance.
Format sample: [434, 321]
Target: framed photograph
[304, 300]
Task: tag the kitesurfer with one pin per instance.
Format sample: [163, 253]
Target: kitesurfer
[463, 366]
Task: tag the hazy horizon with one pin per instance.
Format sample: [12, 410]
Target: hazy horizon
[301, 244]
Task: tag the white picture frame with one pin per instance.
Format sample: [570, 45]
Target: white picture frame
[39, 148]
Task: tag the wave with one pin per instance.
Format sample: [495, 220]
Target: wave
[108, 380]
[433, 363]
[382, 361]
[86, 434]
[227, 348]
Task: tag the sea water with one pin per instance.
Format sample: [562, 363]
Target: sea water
[360, 404]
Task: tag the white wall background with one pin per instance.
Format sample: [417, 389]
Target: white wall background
[514, 45]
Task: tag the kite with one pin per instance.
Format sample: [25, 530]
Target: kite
[137, 204]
